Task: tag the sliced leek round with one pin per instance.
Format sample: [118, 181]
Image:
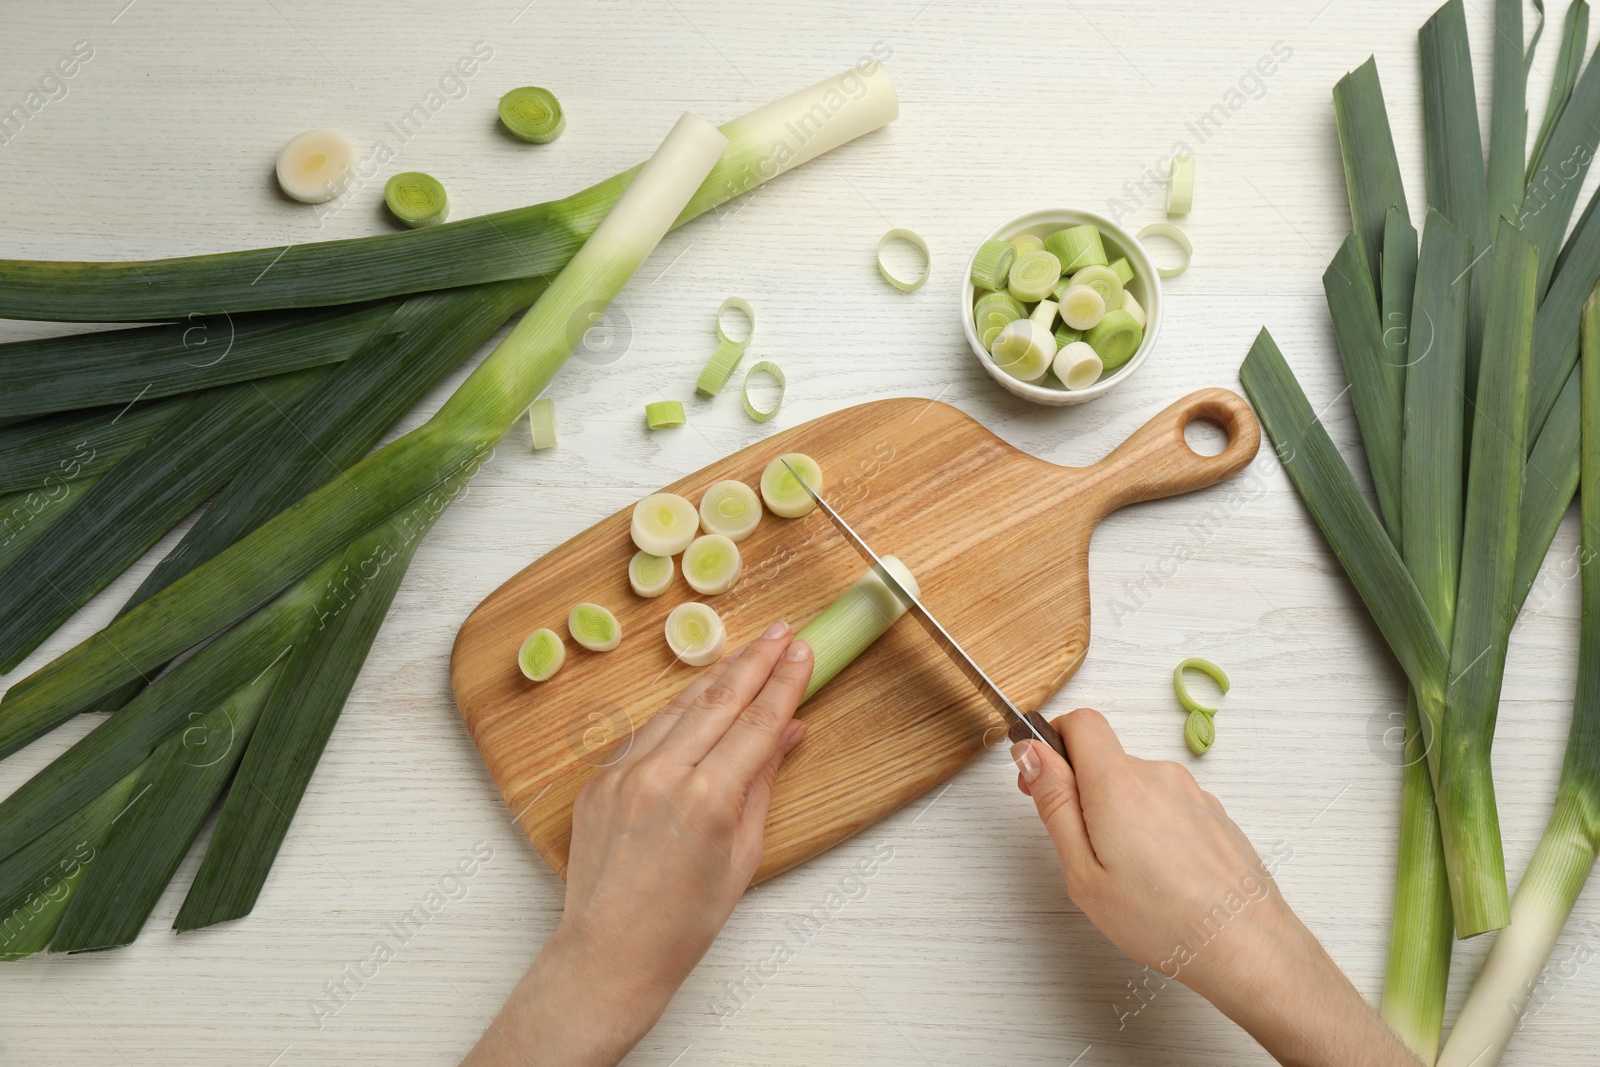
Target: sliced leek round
[992, 264]
[1103, 280]
[1199, 732]
[730, 508]
[1134, 308]
[915, 240]
[1177, 237]
[1180, 186]
[1077, 365]
[650, 575]
[741, 305]
[532, 114]
[314, 166]
[1082, 307]
[785, 496]
[1025, 243]
[416, 199]
[664, 524]
[1023, 349]
[719, 368]
[1077, 247]
[991, 313]
[541, 655]
[542, 423]
[773, 371]
[1116, 337]
[1033, 275]
[593, 627]
[695, 634]
[712, 564]
[661, 414]
[1181, 687]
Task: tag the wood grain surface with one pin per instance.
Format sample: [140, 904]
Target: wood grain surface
[998, 540]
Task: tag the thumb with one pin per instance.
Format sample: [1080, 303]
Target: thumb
[1047, 778]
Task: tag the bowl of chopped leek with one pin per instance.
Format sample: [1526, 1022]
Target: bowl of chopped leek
[1060, 305]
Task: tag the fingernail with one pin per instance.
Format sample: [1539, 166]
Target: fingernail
[792, 734]
[776, 630]
[797, 651]
[1027, 762]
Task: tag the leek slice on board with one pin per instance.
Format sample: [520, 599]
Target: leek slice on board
[783, 493]
[594, 627]
[542, 654]
[663, 524]
[730, 508]
[650, 576]
[712, 564]
[696, 634]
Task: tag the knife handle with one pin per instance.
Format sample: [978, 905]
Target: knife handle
[1020, 732]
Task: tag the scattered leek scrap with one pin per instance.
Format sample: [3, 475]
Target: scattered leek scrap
[1181, 688]
[594, 627]
[848, 627]
[719, 368]
[1180, 187]
[712, 564]
[741, 305]
[1199, 732]
[1566, 854]
[543, 653]
[663, 414]
[1177, 237]
[991, 265]
[663, 524]
[915, 240]
[695, 634]
[416, 199]
[519, 243]
[314, 166]
[532, 114]
[1077, 247]
[542, 423]
[650, 576]
[1033, 275]
[1078, 365]
[730, 508]
[773, 371]
[782, 491]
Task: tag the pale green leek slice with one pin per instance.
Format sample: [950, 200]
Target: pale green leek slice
[649, 575]
[663, 524]
[416, 199]
[661, 414]
[314, 166]
[1181, 688]
[991, 266]
[532, 114]
[1177, 237]
[1180, 188]
[1082, 307]
[773, 371]
[1033, 275]
[541, 655]
[848, 627]
[1199, 732]
[1116, 337]
[1123, 268]
[741, 305]
[1077, 365]
[1134, 308]
[1025, 243]
[542, 423]
[593, 627]
[719, 368]
[915, 240]
[991, 313]
[696, 635]
[1077, 247]
[783, 494]
[730, 508]
[1103, 280]
[712, 564]
[1024, 349]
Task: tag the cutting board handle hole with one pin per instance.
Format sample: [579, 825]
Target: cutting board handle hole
[1205, 437]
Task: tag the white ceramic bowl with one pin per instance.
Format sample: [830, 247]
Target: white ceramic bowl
[1145, 286]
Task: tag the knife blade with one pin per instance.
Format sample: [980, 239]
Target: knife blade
[1021, 725]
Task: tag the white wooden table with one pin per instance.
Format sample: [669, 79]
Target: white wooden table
[962, 948]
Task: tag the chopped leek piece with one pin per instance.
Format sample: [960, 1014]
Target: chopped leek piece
[664, 524]
[1199, 732]
[532, 114]
[661, 414]
[593, 627]
[914, 239]
[1065, 335]
[1123, 268]
[719, 368]
[1177, 237]
[712, 564]
[650, 575]
[1180, 186]
[1078, 365]
[696, 635]
[992, 312]
[739, 304]
[992, 265]
[1077, 247]
[783, 494]
[1033, 275]
[1102, 280]
[1134, 308]
[1044, 314]
[1206, 667]
[1024, 350]
[542, 423]
[314, 166]
[848, 627]
[1116, 337]
[416, 199]
[1082, 307]
[1025, 243]
[541, 655]
[1060, 288]
[773, 371]
[730, 508]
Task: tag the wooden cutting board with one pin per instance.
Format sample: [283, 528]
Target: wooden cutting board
[998, 540]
